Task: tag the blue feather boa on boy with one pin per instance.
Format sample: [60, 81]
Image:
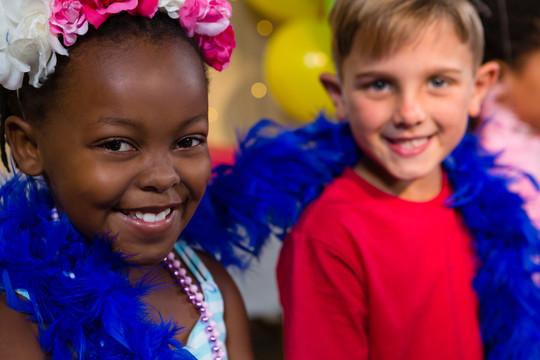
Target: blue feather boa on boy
[278, 171]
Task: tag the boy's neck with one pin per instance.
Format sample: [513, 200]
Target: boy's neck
[419, 190]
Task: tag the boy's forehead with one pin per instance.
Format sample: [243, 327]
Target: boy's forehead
[436, 46]
[363, 46]
[380, 27]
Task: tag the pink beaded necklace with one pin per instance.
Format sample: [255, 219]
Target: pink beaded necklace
[196, 297]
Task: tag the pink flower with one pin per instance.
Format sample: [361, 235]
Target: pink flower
[146, 8]
[68, 19]
[205, 17]
[97, 11]
[218, 49]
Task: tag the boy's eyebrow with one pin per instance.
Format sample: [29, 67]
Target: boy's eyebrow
[387, 74]
[372, 74]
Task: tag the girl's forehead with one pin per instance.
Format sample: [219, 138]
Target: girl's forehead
[109, 51]
[132, 57]
[132, 81]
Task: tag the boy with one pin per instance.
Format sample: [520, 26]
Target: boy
[379, 266]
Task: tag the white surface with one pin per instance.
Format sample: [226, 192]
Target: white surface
[258, 284]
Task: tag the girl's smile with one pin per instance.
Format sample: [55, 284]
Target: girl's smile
[148, 217]
[150, 223]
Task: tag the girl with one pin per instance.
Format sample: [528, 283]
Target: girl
[511, 113]
[110, 146]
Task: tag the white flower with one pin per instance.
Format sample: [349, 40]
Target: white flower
[171, 7]
[26, 43]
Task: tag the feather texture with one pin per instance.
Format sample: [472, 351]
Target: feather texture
[277, 171]
[78, 292]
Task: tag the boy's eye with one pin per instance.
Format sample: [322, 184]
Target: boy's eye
[437, 82]
[379, 85]
[118, 145]
[189, 142]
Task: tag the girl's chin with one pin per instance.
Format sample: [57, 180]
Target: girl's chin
[145, 254]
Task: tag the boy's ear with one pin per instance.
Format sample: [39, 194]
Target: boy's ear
[333, 87]
[486, 76]
[21, 138]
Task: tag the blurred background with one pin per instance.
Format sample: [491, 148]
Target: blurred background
[282, 48]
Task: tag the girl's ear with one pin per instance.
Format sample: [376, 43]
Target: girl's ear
[486, 76]
[21, 137]
[333, 87]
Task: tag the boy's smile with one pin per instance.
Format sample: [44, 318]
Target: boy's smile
[409, 110]
[124, 150]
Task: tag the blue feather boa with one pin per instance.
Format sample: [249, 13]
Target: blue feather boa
[84, 305]
[278, 171]
[78, 291]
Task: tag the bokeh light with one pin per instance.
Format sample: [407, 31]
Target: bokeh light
[259, 90]
[213, 115]
[265, 28]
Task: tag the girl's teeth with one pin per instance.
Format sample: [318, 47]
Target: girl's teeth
[413, 143]
[161, 216]
[151, 217]
[148, 217]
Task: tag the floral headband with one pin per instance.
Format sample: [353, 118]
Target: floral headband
[29, 30]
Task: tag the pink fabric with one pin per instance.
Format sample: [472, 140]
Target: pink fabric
[519, 146]
[366, 275]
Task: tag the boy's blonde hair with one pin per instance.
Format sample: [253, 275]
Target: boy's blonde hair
[380, 27]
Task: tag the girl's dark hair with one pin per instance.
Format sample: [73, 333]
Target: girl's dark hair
[33, 103]
[512, 29]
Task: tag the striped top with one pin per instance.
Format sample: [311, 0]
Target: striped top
[198, 343]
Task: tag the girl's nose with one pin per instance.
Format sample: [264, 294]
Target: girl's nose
[159, 176]
[409, 111]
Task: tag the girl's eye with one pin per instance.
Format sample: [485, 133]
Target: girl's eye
[189, 142]
[118, 145]
[437, 82]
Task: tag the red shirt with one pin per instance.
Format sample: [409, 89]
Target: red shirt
[365, 274]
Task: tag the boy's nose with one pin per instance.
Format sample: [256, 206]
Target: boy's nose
[409, 111]
[159, 176]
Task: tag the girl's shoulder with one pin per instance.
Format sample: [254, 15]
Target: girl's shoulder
[218, 272]
[232, 298]
[235, 316]
[18, 335]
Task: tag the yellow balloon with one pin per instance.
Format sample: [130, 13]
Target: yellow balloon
[328, 5]
[297, 53]
[287, 9]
